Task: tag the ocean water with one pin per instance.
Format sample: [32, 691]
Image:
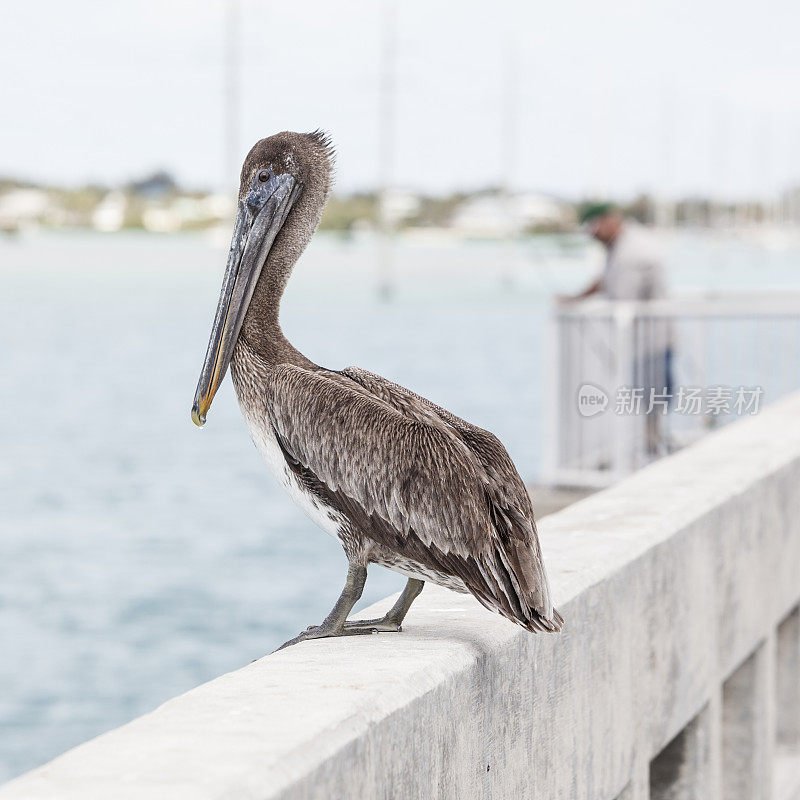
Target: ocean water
[140, 556]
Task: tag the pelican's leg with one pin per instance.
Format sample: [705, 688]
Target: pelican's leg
[333, 624]
[394, 617]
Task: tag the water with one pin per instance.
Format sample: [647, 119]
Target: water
[140, 556]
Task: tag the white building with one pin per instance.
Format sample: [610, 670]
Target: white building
[498, 216]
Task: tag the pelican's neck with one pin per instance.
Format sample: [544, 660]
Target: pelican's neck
[261, 332]
[267, 345]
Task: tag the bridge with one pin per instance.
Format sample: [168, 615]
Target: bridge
[677, 674]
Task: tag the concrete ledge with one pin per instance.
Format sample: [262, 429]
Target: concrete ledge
[669, 581]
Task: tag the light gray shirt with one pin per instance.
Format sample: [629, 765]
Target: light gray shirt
[634, 268]
[635, 271]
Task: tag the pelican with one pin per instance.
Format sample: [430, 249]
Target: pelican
[397, 480]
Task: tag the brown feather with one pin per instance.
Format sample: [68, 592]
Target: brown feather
[433, 490]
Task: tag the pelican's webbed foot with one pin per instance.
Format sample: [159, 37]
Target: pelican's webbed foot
[336, 623]
[322, 632]
[393, 619]
[383, 625]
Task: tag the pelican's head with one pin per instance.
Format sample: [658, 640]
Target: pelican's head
[285, 180]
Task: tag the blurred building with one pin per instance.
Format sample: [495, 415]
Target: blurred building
[497, 215]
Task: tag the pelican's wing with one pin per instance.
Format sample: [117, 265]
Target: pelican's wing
[410, 481]
[507, 487]
[510, 503]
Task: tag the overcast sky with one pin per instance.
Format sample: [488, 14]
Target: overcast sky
[610, 97]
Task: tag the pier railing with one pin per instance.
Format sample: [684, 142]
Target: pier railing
[677, 674]
[630, 382]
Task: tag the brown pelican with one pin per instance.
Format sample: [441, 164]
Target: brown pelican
[397, 480]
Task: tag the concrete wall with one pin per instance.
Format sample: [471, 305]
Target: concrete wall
[676, 675]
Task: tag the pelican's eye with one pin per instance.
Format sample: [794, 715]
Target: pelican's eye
[263, 176]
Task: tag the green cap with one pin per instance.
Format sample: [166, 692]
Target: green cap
[590, 211]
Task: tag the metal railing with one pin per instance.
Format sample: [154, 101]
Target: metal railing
[629, 382]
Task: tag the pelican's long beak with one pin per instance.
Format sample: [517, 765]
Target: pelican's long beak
[260, 217]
